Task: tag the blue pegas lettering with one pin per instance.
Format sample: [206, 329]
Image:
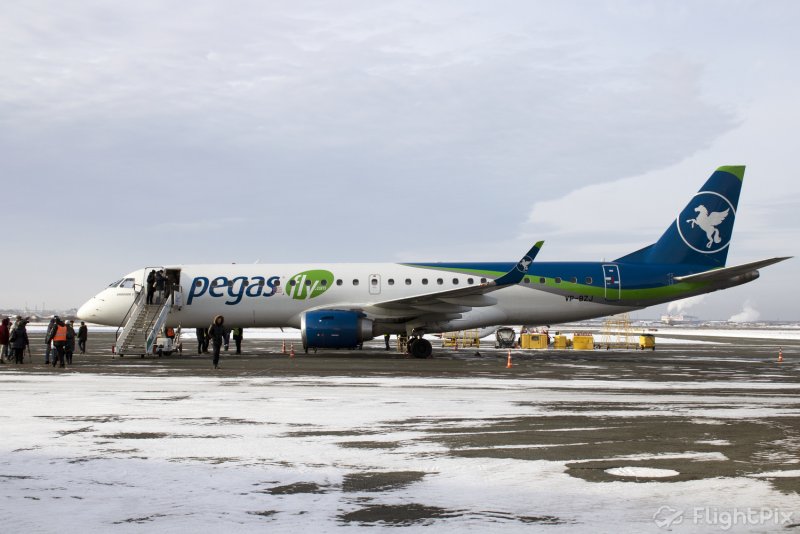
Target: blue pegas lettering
[236, 290]
[256, 286]
[217, 282]
[272, 283]
[198, 289]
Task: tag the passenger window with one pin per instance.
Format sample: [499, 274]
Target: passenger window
[527, 280]
[308, 283]
[470, 281]
[424, 281]
[483, 280]
[408, 281]
[323, 283]
[374, 281]
[589, 280]
[573, 280]
[198, 283]
[245, 283]
[558, 280]
[355, 281]
[439, 281]
[339, 282]
[455, 281]
[391, 281]
[292, 282]
[542, 280]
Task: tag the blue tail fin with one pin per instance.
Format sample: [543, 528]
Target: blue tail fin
[701, 233]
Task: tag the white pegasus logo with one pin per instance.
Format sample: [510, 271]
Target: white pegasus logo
[524, 264]
[708, 222]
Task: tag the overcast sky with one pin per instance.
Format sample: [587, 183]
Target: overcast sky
[166, 132]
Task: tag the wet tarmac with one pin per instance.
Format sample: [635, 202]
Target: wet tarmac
[375, 438]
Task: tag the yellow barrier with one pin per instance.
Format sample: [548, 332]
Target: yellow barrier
[647, 341]
[560, 342]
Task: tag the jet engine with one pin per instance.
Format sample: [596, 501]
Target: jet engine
[334, 329]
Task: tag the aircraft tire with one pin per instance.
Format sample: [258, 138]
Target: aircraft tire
[421, 348]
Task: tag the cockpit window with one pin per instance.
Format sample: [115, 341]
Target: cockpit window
[127, 283]
[114, 283]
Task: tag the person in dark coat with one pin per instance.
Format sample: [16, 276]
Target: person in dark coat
[48, 339]
[151, 286]
[237, 334]
[69, 349]
[19, 339]
[161, 282]
[216, 334]
[5, 333]
[83, 333]
[201, 339]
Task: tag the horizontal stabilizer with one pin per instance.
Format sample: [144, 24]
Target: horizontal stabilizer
[726, 273]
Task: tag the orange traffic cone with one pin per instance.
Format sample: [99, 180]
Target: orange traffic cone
[291, 350]
[509, 365]
[780, 354]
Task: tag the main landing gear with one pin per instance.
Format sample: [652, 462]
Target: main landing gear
[420, 347]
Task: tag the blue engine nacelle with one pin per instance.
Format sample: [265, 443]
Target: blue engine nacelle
[334, 329]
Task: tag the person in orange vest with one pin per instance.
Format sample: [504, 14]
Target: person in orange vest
[60, 342]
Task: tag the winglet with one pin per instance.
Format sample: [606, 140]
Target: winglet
[515, 275]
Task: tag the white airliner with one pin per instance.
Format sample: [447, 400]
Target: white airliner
[342, 305]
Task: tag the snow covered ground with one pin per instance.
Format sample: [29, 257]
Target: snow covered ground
[118, 453]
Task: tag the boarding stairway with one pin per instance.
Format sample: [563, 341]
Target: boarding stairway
[141, 327]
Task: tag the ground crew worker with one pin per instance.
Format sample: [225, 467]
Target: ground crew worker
[216, 334]
[237, 338]
[60, 342]
[386, 338]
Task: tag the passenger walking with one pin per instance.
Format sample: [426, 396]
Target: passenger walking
[227, 338]
[216, 333]
[151, 286]
[83, 333]
[48, 339]
[237, 338]
[5, 333]
[160, 283]
[201, 339]
[60, 340]
[19, 339]
[69, 349]
[386, 338]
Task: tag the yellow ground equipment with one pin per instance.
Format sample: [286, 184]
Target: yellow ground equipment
[461, 339]
[533, 341]
[647, 341]
[561, 342]
[583, 342]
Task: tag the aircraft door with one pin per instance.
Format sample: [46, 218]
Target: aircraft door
[374, 284]
[173, 288]
[612, 281]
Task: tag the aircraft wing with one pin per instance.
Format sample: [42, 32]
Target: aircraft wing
[462, 299]
[726, 273]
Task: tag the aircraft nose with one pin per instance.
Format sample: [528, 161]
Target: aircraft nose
[90, 310]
